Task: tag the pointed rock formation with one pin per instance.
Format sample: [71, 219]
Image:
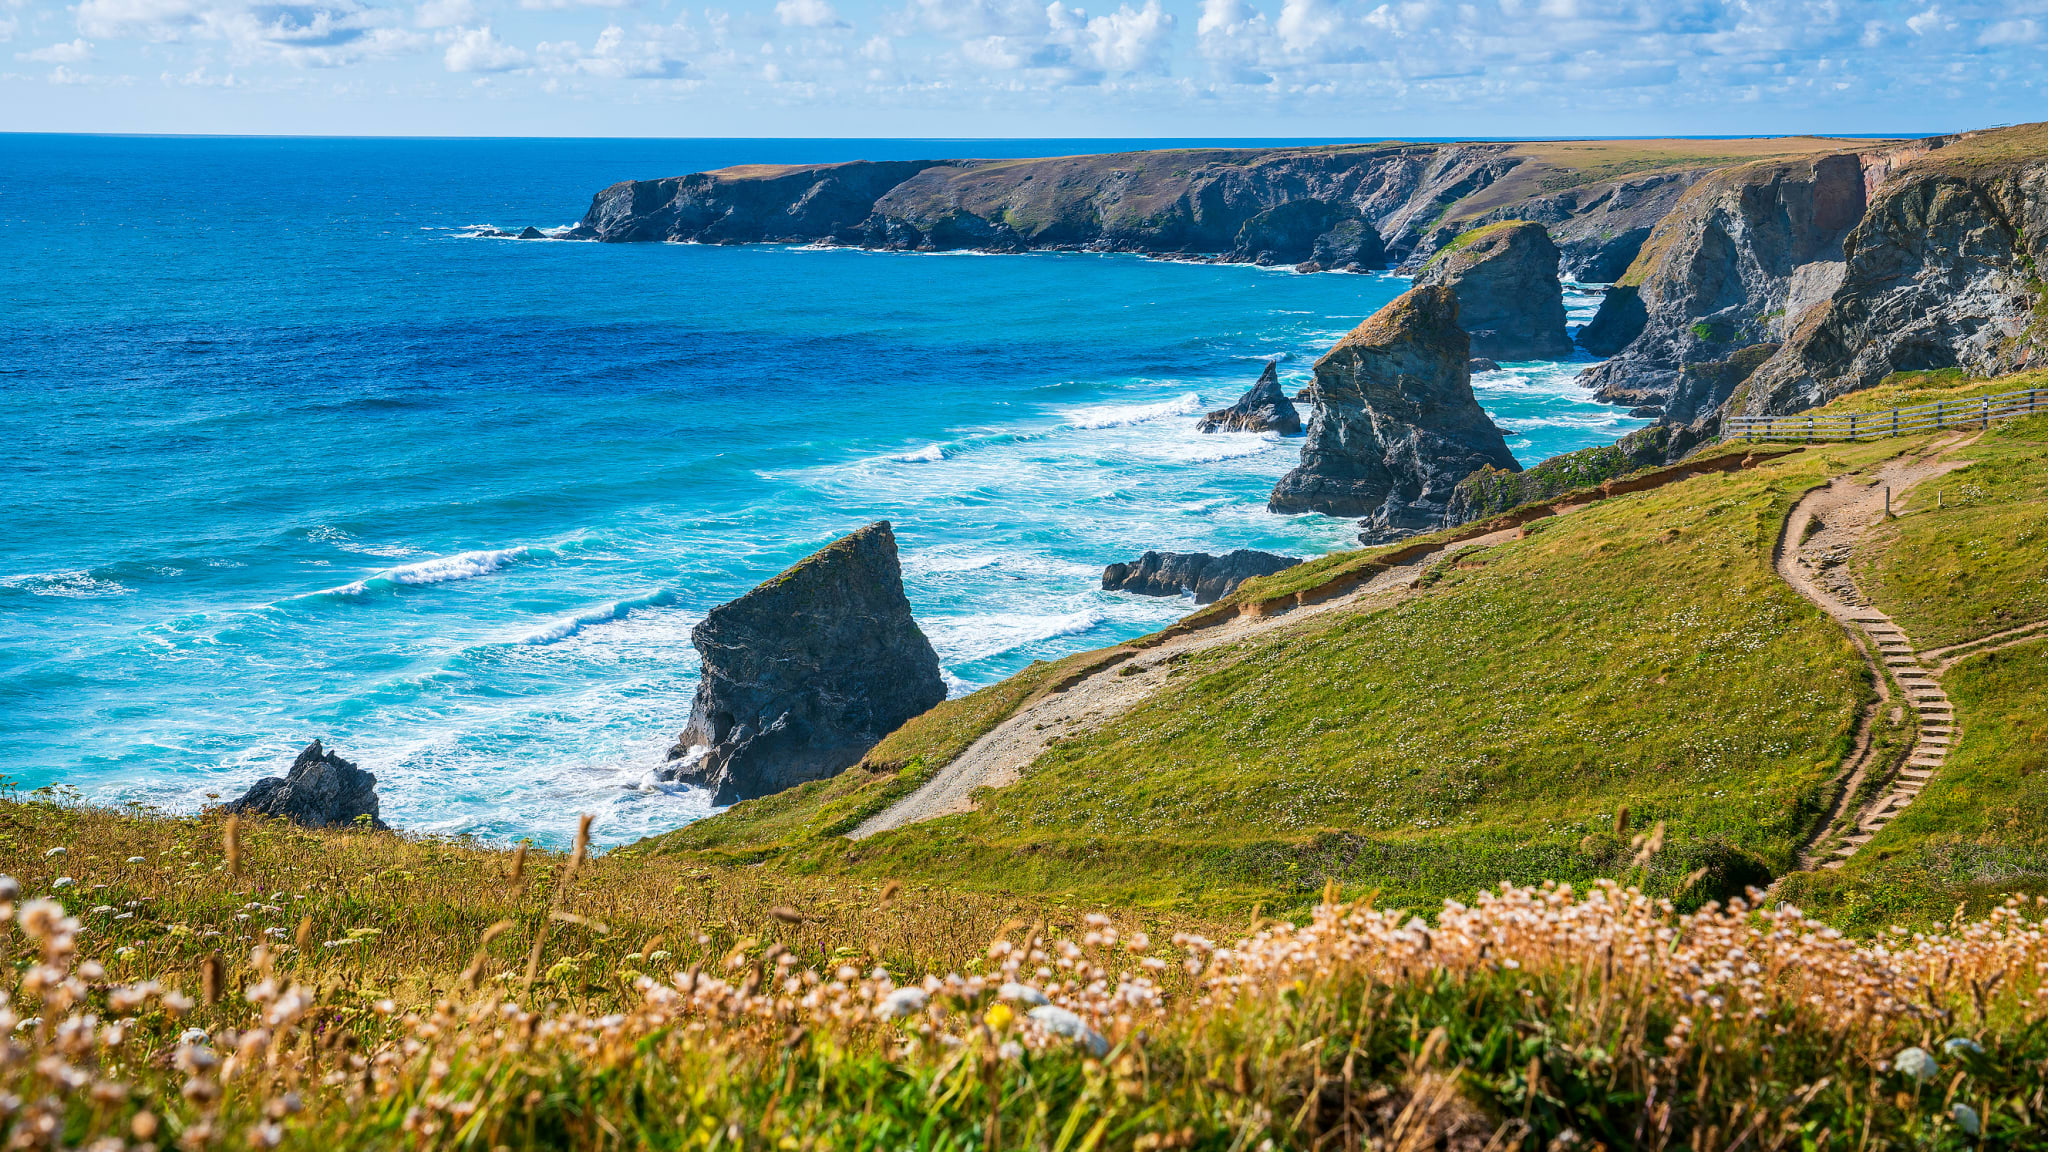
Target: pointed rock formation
[1509, 297]
[321, 790]
[1394, 425]
[1210, 578]
[1265, 408]
[805, 673]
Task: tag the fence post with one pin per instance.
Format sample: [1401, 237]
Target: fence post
[1937, 415]
[1987, 413]
[1809, 429]
[1852, 427]
[1895, 421]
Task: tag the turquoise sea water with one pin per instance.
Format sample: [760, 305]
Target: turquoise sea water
[287, 455]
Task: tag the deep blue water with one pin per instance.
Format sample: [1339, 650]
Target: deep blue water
[286, 455]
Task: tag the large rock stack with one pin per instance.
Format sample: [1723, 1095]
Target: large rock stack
[1394, 425]
[805, 673]
[1510, 300]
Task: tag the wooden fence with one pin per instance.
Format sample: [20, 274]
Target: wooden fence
[1977, 413]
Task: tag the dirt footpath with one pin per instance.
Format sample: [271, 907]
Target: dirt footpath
[1001, 756]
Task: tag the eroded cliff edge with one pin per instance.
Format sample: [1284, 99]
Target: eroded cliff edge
[1363, 204]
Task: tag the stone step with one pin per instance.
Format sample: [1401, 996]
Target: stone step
[1929, 739]
[1917, 773]
[1912, 787]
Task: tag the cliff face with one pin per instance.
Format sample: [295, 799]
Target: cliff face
[1333, 205]
[805, 673]
[1940, 273]
[1394, 425]
[1743, 250]
[746, 205]
[1509, 299]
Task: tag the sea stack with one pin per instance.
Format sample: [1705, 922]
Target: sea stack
[1210, 578]
[1509, 297]
[320, 790]
[1394, 425]
[805, 673]
[1265, 408]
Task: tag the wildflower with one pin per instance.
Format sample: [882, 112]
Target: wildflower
[1961, 1046]
[53, 852]
[1966, 1118]
[137, 860]
[902, 1002]
[1915, 1062]
[999, 1016]
[63, 882]
[1024, 993]
[1061, 1022]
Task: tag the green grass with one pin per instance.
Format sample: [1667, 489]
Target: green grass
[1913, 389]
[1968, 554]
[904, 760]
[1979, 832]
[1638, 653]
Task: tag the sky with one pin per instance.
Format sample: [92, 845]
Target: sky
[1021, 68]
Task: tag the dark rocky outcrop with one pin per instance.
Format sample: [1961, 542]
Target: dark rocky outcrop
[1318, 232]
[1941, 272]
[320, 790]
[1394, 425]
[805, 673]
[532, 233]
[1263, 409]
[1210, 578]
[1480, 364]
[1618, 322]
[747, 204]
[1745, 251]
[1509, 298]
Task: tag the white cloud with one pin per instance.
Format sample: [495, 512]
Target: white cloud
[808, 14]
[2010, 32]
[308, 34]
[1123, 41]
[649, 53]
[480, 50]
[73, 52]
[444, 13]
[564, 5]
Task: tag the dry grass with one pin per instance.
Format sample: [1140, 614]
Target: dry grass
[377, 916]
[1533, 1018]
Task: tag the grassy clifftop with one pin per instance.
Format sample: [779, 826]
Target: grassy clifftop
[1493, 724]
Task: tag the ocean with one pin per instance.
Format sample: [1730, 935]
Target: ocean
[288, 453]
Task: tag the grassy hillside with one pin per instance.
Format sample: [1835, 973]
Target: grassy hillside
[1968, 555]
[1638, 654]
[386, 915]
[1979, 833]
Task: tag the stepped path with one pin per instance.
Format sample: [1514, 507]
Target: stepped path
[1813, 555]
[1128, 676]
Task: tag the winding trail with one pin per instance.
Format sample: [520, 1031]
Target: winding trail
[1813, 556]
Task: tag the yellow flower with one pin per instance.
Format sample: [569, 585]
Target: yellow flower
[999, 1016]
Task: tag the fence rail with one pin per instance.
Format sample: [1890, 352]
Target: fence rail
[1978, 413]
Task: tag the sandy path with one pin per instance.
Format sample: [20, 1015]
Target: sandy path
[1814, 556]
[1001, 756]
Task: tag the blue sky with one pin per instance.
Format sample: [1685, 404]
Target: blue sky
[1185, 68]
